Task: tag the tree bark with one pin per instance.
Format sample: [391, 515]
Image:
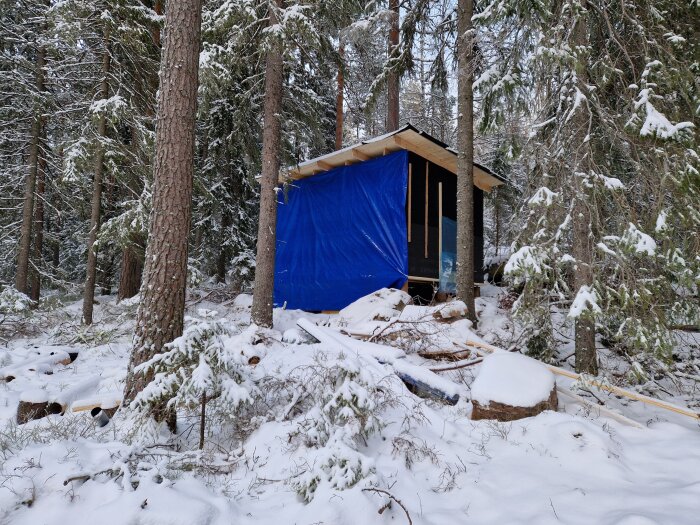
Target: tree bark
[465, 160]
[586, 360]
[91, 273]
[339, 99]
[261, 311]
[131, 272]
[25, 233]
[393, 80]
[160, 315]
[131, 268]
[39, 222]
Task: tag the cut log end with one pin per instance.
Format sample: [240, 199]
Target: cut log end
[28, 411]
[502, 412]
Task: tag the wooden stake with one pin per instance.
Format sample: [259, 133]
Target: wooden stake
[427, 165]
[410, 174]
[439, 228]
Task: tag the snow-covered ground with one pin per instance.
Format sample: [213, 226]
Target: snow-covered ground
[284, 459]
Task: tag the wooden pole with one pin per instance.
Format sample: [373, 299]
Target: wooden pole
[439, 228]
[410, 174]
[427, 165]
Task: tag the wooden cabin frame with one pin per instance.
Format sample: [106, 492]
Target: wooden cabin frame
[431, 193]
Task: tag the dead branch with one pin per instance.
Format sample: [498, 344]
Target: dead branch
[392, 497]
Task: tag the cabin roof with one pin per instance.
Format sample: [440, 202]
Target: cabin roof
[406, 137]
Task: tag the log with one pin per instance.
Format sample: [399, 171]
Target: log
[602, 386]
[33, 404]
[503, 412]
[41, 364]
[512, 386]
[59, 403]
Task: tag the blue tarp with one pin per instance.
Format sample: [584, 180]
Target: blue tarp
[342, 234]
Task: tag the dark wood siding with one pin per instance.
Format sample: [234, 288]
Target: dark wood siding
[418, 264]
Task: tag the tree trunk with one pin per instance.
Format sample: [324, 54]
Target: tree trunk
[160, 315]
[39, 222]
[131, 271]
[89, 292]
[465, 160]
[393, 80]
[582, 250]
[339, 100]
[25, 233]
[55, 225]
[131, 268]
[261, 311]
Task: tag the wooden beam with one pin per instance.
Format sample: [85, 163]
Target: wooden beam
[359, 155]
[324, 165]
[439, 228]
[417, 279]
[410, 170]
[427, 167]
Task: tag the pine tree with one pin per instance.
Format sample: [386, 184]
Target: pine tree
[465, 159]
[160, 316]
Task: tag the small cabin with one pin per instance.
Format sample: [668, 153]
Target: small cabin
[381, 213]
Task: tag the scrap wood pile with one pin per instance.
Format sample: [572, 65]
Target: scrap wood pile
[508, 385]
[36, 403]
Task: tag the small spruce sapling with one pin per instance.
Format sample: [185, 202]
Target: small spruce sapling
[199, 368]
[347, 398]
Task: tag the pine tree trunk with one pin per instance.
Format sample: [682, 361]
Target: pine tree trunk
[393, 80]
[160, 315]
[465, 160]
[56, 227]
[339, 100]
[131, 271]
[131, 268]
[39, 222]
[584, 338]
[91, 273]
[261, 311]
[25, 239]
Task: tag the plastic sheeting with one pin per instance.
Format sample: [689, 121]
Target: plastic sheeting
[342, 234]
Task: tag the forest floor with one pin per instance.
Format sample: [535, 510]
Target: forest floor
[429, 464]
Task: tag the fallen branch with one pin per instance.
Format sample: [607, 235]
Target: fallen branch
[458, 365]
[392, 497]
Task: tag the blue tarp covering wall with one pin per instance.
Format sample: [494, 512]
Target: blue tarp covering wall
[342, 234]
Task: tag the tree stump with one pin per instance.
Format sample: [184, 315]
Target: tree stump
[503, 412]
[512, 386]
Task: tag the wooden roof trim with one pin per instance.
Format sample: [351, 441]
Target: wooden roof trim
[407, 138]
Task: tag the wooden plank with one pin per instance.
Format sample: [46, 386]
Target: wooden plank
[359, 155]
[439, 228]
[324, 165]
[427, 166]
[410, 169]
[418, 279]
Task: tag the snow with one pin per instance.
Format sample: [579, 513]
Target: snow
[512, 379]
[34, 396]
[586, 300]
[661, 221]
[572, 466]
[655, 122]
[543, 196]
[639, 241]
[524, 258]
